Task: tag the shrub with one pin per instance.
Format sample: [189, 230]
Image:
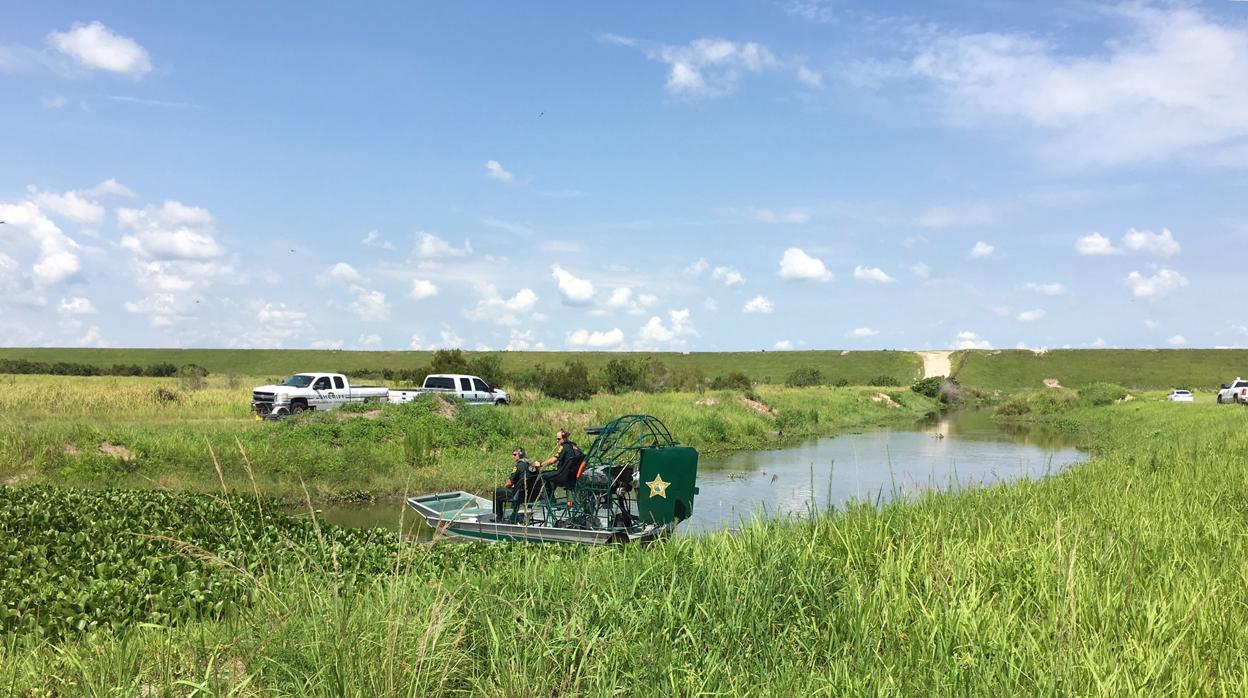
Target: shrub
[804, 378]
[929, 387]
[733, 381]
[1102, 393]
[568, 383]
[621, 376]
[192, 377]
[1039, 402]
[884, 382]
[841, 382]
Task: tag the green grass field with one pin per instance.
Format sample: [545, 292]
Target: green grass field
[1122, 576]
[857, 367]
[64, 429]
[1140, 369]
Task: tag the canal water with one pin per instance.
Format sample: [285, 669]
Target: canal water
[956, 450]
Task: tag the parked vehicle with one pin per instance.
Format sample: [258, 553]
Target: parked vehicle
[1237, 391]
[1181, 396]
[471, 389]
[312, 391]
[329, 391]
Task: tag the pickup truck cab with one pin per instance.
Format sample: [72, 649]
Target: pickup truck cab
[471, 389]
[311, 391]
[1236, 391]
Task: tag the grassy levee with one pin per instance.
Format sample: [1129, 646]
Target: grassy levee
[1124, 575]
[858, 367]
[148, 432]
[1140, 369]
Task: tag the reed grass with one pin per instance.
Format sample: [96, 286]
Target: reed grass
[1124, 575]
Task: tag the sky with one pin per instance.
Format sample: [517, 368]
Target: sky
[703, 176]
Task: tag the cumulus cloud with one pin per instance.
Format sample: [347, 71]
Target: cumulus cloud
[1046, 289]
[1162, 243]
[375, 240]
[698, 267]
[1164, 283]
[1169, 87]
[278, 322]
[759, 305]
[523, 340]
[171, 231]
[76, 306]
[783, 345]
[494, 170]
[1095, 244]
[796, 264]
[873, 275]
[98, 47]
[766, 215]
[1031, 315]
[622, 298]
[596, 340]
[962, 215]
[369, 305]
[982, 250]
[713, 67]
[655, 332]
[57, 258]
[345, 273]
[110, 187]
[431, 246]
[422, 289]
[1177, 340]
[727, 276]
[921, 270]
[71, 205]
[502, 311]
[862, 332]
[970, 340]
[575, 290]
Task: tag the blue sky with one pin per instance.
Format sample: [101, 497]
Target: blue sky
[710, 176]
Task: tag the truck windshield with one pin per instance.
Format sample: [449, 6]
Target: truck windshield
[298, 381]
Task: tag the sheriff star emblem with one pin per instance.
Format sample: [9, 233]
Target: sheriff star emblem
[658, 488]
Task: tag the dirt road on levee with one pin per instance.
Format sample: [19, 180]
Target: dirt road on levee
[935, 363]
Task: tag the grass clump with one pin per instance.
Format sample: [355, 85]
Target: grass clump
[1099, 394]
[1047, 402]
[804, 378]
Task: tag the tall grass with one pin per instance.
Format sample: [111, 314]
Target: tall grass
[54, 429]
[1138, 369]
[1124, 575]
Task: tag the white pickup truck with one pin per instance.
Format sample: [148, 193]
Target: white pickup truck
[1237, 391]
[471, 389]
[329, 391]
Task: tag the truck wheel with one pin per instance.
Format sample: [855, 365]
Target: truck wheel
[1219, 398]
[502, 403]
[297, 408]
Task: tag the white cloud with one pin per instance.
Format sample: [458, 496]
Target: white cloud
[69, 205]
[1152, 324]
[375, 240]
[1046, 289]
[1098, 343]
[368, 342]
[873, 275]
[711, 304]
[622, 298]
[727, 276]
[96, 46]
[1095, 244]
[502, 311]
[1177, 340]
[575, 291]
[431, 246]
[1162, 243]
[345, 273]
[809, 76]
[110, 187]
[173, 231]
[655, 332]
[596, 339]
[783, 345]
[58, 254]
[494, 170]
[369, 306]
[698, 267]
[276, 323]
[1031, 315]
[76, 306]
[52, 102]
[982, 250]
[93, 337]
[759, 305]
[1170, 87]
[1157, 286]
[523, 340]
[969, 340]
[921, 270]
[711, 67]
[862, 332]
[796, 264]
[422, 289]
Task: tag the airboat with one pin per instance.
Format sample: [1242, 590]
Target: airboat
[636, 483]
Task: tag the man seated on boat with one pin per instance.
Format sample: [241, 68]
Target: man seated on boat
[569, 458]
[522, 486]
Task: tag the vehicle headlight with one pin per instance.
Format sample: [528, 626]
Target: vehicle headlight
[283, 397]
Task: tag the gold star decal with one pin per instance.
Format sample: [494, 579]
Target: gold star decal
[658, 488]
